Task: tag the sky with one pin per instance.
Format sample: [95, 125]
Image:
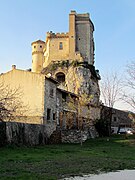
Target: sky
[24, 21]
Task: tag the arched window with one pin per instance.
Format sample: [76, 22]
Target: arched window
[60, 77]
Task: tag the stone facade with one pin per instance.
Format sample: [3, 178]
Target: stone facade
[67, 109]
[84, 80]
[50, 97]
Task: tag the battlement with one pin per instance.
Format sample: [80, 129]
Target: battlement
[57, 35]
[83, 15]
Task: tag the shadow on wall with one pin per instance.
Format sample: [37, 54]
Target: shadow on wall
[25, 134]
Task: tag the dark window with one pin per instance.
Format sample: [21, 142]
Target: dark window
[51, 92]
[60, 77]
[34, 46]
[60, 45]
[40, 46]
[54, 116]
[64, 96]
[48, 114]
[114, 119]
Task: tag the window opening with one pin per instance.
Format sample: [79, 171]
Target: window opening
[64, 96]
[48, 114]
[60, 45]
[114, 119]
[54, 116]
[60, 77]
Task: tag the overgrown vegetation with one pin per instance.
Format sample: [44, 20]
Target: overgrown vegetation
[58, 161]
[66, 64]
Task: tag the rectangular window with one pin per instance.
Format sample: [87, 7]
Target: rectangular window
[54, 116]
[60, 45]
[64, 97]
[48, 114]
[114, 119]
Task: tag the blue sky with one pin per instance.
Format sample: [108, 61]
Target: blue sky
[24, 21]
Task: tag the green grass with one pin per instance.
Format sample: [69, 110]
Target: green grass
[58, 161]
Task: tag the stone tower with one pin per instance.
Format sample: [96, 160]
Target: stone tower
[81, 36]
[37, 55]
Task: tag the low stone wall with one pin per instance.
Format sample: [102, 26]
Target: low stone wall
[25, 134]
[73, 136]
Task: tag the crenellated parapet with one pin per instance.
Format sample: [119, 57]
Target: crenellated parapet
[57, 35]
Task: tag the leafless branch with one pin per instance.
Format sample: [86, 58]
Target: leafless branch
[111, 87]
[129, 94]
[10, 102]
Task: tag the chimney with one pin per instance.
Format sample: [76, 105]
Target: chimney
[13, 67]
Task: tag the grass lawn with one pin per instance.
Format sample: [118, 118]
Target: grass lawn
[58, 161]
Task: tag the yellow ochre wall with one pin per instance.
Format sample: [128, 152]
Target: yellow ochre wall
[53, 53]
[32, 88]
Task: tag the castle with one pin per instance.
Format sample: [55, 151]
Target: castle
[77, 44]
[62, 86]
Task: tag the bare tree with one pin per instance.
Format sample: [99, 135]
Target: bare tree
[10, 102]
[111, 87]
[131, 75]
[129, 94]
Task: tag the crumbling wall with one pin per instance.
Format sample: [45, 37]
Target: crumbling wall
[78, 136]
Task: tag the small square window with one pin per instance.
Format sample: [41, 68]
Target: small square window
[40, 46]
[60, 45]
[34, 47]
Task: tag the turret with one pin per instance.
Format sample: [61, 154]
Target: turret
[37, 55]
